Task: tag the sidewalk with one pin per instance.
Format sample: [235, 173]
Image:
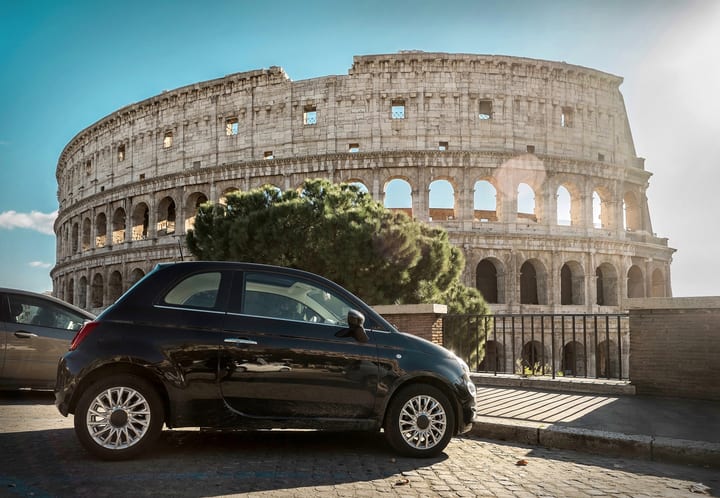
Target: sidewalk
[603, 418]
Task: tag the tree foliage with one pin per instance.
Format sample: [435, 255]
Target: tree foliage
[339, 232]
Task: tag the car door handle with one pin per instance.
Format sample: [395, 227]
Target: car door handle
[232, 340]
[25, 335]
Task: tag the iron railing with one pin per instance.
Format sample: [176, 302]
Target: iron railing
[587, 345]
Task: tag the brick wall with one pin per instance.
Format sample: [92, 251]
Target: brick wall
[422, 320]
[675, 347]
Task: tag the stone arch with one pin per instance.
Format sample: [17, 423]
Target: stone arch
[632, 212]
[606, 285]
[140, 221]
[135, 276]
[488, 280]
[82, 292]
[97, 290]
[485, 201]
[659, 289]
[115, 288]
[441, 200]
[360, 184]
[573, 359]
[492, 361]
[194, 201]
[526, 206]
[118, 226]
[607, 363]
[533, 282]
[533, 357]
[572, 283]
[225, 192]
[75, 238]
[564, 206]
[166, 216]
[100, 230]
[635, 282]
[70, 291]
[86, 239]
[397, 195]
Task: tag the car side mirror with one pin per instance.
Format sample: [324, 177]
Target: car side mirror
[355, 321]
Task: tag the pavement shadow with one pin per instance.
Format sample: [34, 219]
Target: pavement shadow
[193, 463]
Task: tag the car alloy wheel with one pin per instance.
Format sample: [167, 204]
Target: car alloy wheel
[420, 421]
[119, 417]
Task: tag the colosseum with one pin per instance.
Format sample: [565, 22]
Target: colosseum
[528, 164]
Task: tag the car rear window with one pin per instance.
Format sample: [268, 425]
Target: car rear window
[196, 291]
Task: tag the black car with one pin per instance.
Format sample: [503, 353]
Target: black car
[238, 345]
[35, 331]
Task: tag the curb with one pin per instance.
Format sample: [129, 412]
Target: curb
[657, 449]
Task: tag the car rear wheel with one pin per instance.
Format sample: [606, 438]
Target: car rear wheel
[118, 417]
[420, 421]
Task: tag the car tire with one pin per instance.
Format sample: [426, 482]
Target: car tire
[119, 417]
[420, 421]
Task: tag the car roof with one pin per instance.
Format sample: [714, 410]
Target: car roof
[47, 297]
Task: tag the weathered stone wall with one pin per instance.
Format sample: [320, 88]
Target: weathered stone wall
[675, 347]
[128, 185]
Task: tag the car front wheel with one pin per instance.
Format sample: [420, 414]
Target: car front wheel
[118, 417]
[420, 421]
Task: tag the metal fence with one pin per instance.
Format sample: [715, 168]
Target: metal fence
[588, 345]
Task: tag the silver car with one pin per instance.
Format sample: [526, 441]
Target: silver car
[35, 331]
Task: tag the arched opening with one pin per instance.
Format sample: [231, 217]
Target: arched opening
[597, 210]
[532, 283]
[442, 201]
[486, 280]
[70, 291]
[229, 190]
[140, 221]
[606, 285]
[118, 226]
[492, 362]
[573, 359]
[398, 196]
[192, 205]
[485, 201]
[564, 205]
[635, 282]
[86, 234]
[533, 358]
[75, 243]
[115, 286]
[166, 216]
[82, 292]
[135, 276]
[526, 202]
[606, 360]
[572, 284]
[631, 211]
[659, 288]
[100, 230]
[96, 293]
[359, 185]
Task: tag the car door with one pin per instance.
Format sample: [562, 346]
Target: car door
[36, 333]
[281, 356]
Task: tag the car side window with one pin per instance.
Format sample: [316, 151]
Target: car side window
[292, 298]
[28, 310]
[196, 291]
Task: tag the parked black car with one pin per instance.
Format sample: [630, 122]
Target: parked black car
[238, 345]
[35, 331]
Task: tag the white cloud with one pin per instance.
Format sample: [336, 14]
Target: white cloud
[35, 220]
[39, 264]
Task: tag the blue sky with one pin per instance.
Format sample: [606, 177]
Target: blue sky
[65, 65]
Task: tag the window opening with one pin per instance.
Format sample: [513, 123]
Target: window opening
[443, 146]
[168, 140]
[566, 117]
[268, 154]
[310, 115]
[485, 110]
[530, 149]
[398, 109]
[121, 153]
[354, 148]
[231, 126]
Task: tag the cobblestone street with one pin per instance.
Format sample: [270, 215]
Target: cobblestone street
[41, 457]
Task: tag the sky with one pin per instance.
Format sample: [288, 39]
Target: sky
[66, 64]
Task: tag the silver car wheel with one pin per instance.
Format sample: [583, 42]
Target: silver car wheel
[118, 418]
[422, 422]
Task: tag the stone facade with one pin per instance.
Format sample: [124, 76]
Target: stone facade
[490, 130]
